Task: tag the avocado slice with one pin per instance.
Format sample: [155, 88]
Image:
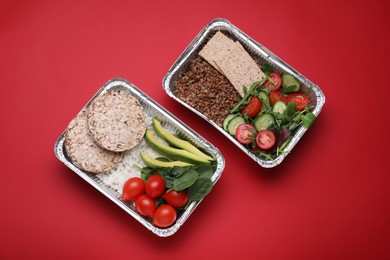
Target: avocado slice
[177, 142]
[153, 163]
[170, 152]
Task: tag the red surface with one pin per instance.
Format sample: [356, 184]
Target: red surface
[328, 200]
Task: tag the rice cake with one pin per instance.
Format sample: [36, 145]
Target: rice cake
[232, 60]
[84, 152]
[116, 120]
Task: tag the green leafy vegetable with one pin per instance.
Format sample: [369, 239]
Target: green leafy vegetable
[185, 180]
[199, 189]
[248, 94]
[195, 178]
[308, 119]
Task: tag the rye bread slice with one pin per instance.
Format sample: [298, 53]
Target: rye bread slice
[232, 60]
[116, 120]
[84, 152]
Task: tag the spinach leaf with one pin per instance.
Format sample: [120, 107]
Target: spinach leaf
[199, 189]
[146, 172]
[178, 171]
[185, 180]
[205, 170]
[266, 68]
[308, 119]
[290, 111]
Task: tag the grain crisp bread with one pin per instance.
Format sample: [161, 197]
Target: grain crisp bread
[116, 120]
[232, 60]
[84, 152]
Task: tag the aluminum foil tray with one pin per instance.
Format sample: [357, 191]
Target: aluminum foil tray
[170, 122]
[257, 52]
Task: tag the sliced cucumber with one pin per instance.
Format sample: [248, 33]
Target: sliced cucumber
[279, 107]
[264, 100]
[264, 121]
[227, 120]
[234, 123]
[289, 83]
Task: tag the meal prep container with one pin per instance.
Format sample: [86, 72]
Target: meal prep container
[170, 122]
[257, 52]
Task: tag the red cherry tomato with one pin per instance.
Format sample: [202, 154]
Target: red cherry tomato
[176, 199]
[245, 133]
[275, 96]
[164, 216]
[145, 205]
[133, 188]
[253, 108]
[265, 139]
[155, 186]
[300, 99]
[274, 83]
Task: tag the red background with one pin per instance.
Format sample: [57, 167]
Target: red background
[328, 200]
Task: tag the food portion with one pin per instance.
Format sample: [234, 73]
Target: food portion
[271, 105]
[116, 120]
[84, 152]
[160, 175]
[266, 118]
[204, 88]
[112, 124]
[167, 185]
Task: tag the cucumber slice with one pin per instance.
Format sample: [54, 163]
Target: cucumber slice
[279, 107]
[264, 121]
[227, 120]
[264, 100]
[289, 83]
[234, 123]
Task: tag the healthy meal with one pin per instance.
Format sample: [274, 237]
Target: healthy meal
[169, 183]
[153, 169]
[258, 106]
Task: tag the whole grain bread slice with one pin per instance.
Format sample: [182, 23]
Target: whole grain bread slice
[232, 60]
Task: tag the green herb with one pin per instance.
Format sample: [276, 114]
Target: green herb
[199, 189]
[267, 69]
[185, 180]
[146, 172]
[308, 119]
[205, 170]
[248, 95]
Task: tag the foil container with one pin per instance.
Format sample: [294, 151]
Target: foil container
[259, 53]
[170, 122]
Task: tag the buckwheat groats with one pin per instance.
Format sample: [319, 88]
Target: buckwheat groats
[207, 90]
[116, 120]
[213, 82]
[84, 152]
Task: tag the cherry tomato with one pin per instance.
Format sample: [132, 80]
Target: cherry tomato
[275, 96]
[164, 216]
[274, 83]
[145, 205]
[155, 186]
[245, 133]
[253, 108]
[300, 99]
[133, 188]
[176, 199]
[265, 139]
